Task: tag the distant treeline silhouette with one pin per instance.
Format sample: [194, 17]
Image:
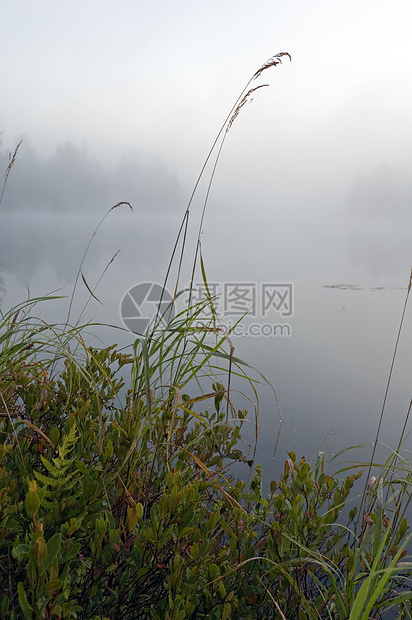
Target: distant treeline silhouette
[72, 180]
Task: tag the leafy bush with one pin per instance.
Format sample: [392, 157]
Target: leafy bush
[124, 506]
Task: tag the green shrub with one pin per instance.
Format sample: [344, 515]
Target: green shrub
[111, 511]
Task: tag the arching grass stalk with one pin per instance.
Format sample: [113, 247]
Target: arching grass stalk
[79, 271]
[244, 96]
[8, 170]
[227, 123]
[386, 396]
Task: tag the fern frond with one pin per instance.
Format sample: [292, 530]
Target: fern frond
[63, 473]
[67, 445]
[46, 480]
[51, 468]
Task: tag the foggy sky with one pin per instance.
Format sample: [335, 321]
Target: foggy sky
[122, 102]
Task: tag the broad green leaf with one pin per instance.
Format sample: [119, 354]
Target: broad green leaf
[53, 549]
[24, 603]
[20, 550]
[32, 502]
[4, 606]
[132, 518]
[72, 550]
[53, 584]
[81, 467]
[38, 551]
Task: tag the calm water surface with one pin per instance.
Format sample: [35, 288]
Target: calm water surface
[329, 374]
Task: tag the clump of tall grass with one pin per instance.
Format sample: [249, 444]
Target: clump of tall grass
[116, 493]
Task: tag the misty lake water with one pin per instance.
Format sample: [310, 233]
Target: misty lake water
[329, 374]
